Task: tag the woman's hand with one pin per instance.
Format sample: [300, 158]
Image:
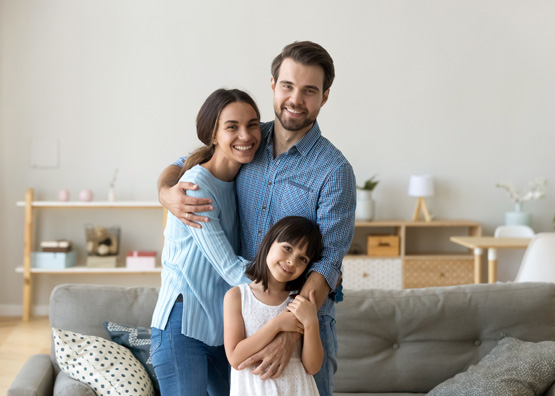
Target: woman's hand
[305, 310]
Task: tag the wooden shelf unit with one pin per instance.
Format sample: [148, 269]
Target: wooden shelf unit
[417, 268]
[31, 206]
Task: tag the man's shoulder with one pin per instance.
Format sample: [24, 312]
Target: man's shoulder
[326, 152]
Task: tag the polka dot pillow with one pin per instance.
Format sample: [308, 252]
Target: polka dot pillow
[108, 368]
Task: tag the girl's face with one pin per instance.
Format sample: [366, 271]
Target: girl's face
[238, 134]
[286, 262]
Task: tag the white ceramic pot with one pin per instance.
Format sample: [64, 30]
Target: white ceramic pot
[365, 206]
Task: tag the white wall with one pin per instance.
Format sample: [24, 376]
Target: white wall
[463, 90]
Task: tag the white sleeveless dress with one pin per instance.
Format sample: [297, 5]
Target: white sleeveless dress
[293, 381]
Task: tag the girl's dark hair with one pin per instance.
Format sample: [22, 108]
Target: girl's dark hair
[207, 123]
[296, 230]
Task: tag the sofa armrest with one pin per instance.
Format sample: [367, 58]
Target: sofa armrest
[36, 378]
[550, 391]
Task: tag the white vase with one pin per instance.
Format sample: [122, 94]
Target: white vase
[518, 217]
[111, 194]
[365, 206]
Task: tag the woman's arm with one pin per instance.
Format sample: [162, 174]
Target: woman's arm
[313, 351]
[211, 239]
[237, 347]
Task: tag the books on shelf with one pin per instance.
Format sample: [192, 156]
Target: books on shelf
[60, 246]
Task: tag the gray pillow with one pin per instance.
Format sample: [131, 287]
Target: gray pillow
[513, 367]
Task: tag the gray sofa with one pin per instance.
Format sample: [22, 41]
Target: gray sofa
[391, 342]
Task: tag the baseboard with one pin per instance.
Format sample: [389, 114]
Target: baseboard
[17, 310]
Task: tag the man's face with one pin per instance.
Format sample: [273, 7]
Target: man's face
[298, 95]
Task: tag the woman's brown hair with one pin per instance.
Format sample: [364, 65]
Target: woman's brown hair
[207, 123]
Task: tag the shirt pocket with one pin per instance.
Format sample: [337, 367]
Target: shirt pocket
[298, 200]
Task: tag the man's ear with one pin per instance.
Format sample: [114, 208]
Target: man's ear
[325, 97]
[273, 84]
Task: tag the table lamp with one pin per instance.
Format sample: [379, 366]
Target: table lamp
[421, 186]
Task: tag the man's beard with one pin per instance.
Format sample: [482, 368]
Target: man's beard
[293, 125]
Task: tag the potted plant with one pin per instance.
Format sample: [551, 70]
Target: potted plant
[365, 202]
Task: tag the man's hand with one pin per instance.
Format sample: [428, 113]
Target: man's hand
[274, 357]
[172, 195]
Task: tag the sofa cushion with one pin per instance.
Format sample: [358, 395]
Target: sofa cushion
[84, 308]
[105, 366]
[412, 340]
[514, 367]
[137, 340]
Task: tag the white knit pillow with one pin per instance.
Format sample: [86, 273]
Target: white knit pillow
[108, 368]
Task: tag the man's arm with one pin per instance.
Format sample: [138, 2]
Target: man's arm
[172, 195]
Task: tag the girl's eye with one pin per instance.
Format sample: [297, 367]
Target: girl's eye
[304, 259]
[288, 248]
[232, 127]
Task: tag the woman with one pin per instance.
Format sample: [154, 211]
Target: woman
[198, 264]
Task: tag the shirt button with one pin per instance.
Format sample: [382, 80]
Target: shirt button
[259, 232]
[395, 346]
[477, 342]
[264, 207]
[269, 183]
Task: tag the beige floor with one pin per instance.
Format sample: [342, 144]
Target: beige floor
[18, 341]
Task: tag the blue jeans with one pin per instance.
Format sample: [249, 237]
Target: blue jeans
[328, 335]
[186, 366]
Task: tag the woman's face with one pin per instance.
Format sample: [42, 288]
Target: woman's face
[238, 134]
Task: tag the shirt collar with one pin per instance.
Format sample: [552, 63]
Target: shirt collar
[303, 146]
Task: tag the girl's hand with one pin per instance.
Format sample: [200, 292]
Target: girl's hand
[305, 310]
[287, 321]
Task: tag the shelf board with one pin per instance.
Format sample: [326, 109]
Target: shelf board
[90, 270]
[94, 204]
[409, 223]
[439, 256]
[364, 256]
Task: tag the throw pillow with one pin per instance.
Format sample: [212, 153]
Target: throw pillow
[137, 340]
[513, 367]
[105, 366]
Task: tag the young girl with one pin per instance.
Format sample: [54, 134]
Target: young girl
[255, 313]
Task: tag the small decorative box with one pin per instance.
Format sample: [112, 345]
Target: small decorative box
[140, 260]
[383, 245]
[56, 260]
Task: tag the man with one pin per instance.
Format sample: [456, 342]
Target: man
[296, 171]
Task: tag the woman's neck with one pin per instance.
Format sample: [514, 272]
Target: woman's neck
[222, 168]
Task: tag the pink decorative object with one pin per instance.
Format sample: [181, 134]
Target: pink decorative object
[141, 260]
[85, 195]
[63, 195]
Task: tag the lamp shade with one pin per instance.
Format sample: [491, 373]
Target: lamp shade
[421, 186]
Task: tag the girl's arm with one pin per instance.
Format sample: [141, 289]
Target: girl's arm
[313, 351]
[237, 347]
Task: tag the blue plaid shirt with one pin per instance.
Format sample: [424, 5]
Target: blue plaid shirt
[312, 179]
